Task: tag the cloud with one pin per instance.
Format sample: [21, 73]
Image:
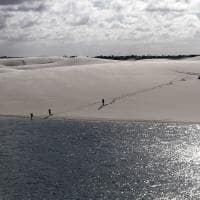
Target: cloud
[34, 6]
[167, 6]
[99, 21]
[19, 17]
[2, 23]
[11, 2]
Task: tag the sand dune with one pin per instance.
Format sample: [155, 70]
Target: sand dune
[5, 69]
[28, 61]
[141, 90]
[48, 62]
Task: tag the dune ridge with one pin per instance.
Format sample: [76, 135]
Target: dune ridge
[48, 62]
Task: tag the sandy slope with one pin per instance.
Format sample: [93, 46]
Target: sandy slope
[48, 62]
[134, 90]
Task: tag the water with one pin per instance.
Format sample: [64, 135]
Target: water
[56, 160]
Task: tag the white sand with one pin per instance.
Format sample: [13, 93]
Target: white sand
[73, 88]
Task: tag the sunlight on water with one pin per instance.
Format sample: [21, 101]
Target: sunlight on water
[190, 154]
[98, 160]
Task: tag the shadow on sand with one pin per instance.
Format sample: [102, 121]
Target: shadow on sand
[107, 104]
[48, 116]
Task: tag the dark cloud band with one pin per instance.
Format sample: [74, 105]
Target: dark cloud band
[11, 2]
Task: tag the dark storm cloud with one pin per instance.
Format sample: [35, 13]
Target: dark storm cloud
[2, 24]
[3, 21]
[34, 6]
[23, 6]
[11, 2]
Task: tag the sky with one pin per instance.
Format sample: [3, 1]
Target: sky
[99, 27]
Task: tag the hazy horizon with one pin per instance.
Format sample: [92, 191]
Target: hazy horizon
[99, 27]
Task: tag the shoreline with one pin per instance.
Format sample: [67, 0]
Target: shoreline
[104, 120]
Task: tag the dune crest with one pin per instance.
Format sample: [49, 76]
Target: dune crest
[48, 62]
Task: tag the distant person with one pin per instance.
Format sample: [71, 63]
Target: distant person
[31, 116]
[50, 113]
[103, 102]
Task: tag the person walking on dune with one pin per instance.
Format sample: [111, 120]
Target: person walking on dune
[50, 113]
[103, 102]
[31, 115]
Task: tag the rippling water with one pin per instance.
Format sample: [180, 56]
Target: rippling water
[96, 160]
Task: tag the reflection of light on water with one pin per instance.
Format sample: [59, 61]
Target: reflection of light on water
[190, 150]
[114, 160]
[190, 154]
[197, 126]
[179, 146]
[187, 150]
